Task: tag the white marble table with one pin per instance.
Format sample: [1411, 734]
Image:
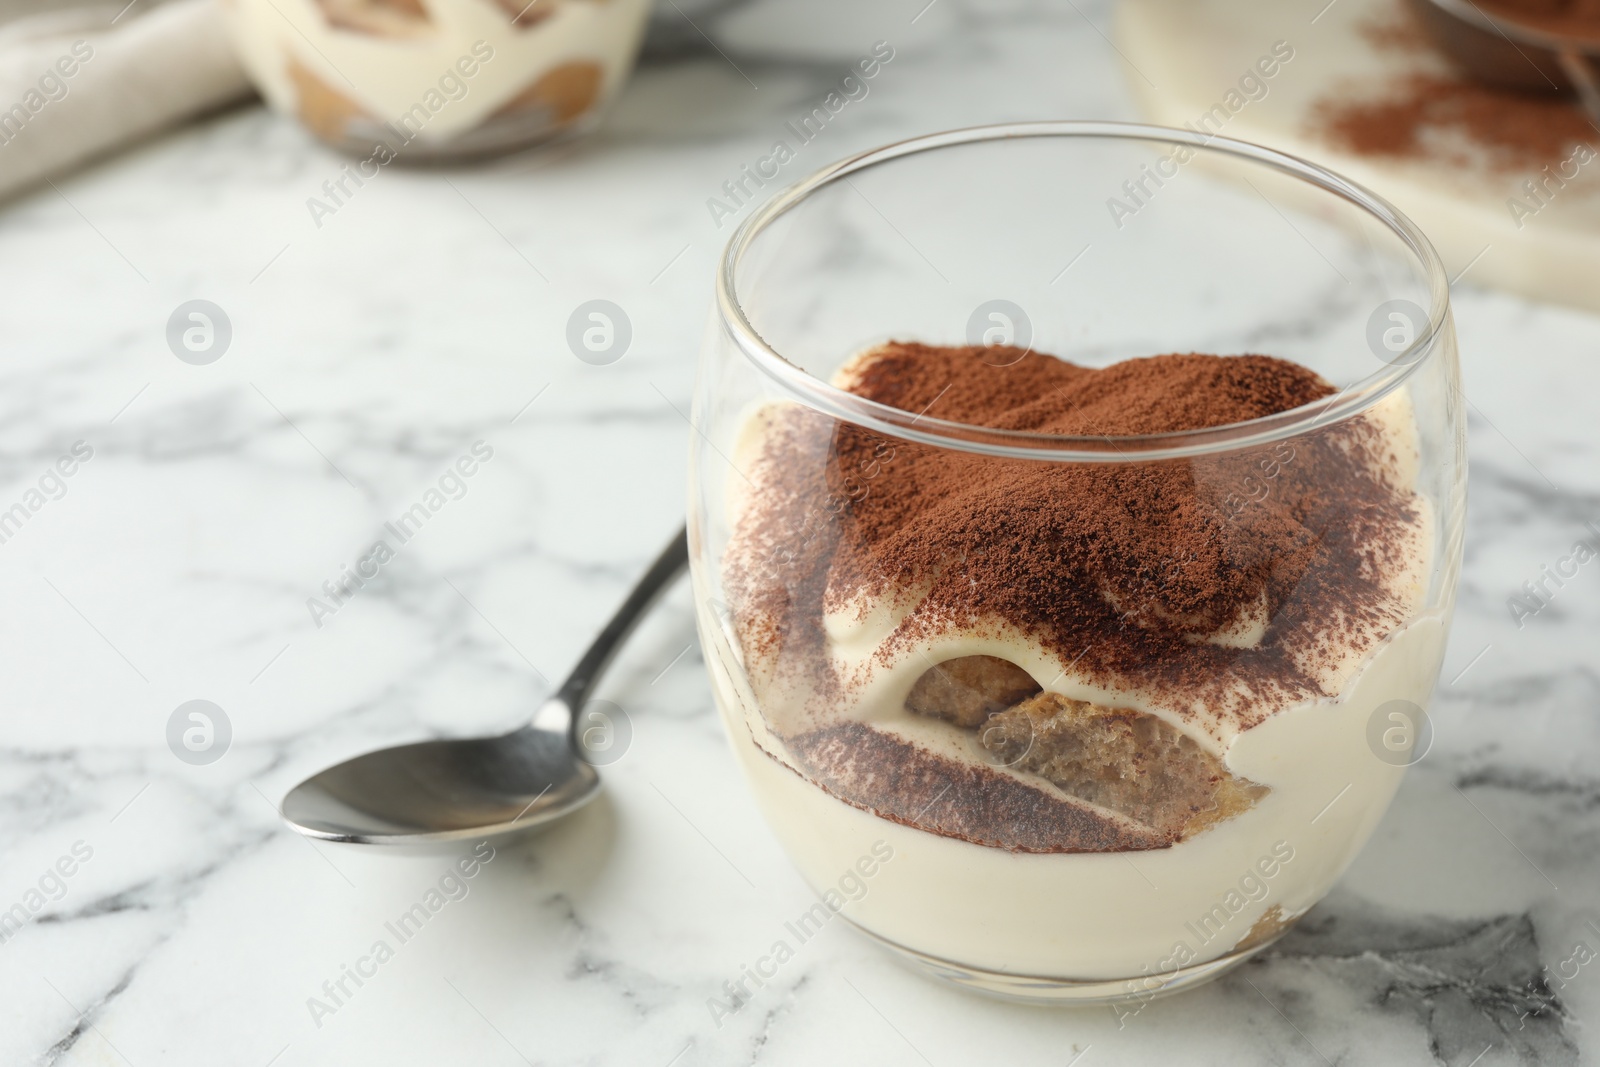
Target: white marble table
[428, 314]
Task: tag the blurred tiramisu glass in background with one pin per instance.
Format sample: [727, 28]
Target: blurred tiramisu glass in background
[1075, 520]
[427, 80]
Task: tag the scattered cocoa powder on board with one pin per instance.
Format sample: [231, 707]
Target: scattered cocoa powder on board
[1442, 116]
[1449, 117]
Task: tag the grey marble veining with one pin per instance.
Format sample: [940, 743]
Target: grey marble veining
[427, 314]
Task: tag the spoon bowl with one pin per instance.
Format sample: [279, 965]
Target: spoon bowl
[443, 790]
[472, 787]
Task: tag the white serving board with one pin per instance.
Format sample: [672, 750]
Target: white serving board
[1184, 56]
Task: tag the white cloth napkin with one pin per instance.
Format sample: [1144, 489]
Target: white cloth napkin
[79, 83]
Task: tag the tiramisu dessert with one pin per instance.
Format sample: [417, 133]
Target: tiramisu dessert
[431, 79]
[1111, 717]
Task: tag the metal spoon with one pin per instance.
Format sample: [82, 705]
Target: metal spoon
[441, 790]
[1504, 52]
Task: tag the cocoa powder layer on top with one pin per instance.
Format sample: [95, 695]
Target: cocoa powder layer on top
[980, 386]
[1123, 569]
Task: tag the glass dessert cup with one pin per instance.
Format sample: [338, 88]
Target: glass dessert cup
[1076, 681]
[438, 81]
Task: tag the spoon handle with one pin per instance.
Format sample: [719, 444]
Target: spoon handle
[574, 692]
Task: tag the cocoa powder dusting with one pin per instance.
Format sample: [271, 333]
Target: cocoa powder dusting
[1122, 568]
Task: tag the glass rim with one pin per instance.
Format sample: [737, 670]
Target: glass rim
[823, 397]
